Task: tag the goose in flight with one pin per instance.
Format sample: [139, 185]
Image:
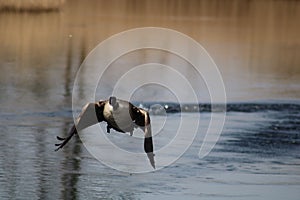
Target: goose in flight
[119, 115]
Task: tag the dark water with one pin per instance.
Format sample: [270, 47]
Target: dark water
[257, 157]
[255, 45]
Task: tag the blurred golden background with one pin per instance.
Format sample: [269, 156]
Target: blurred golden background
[254, 43]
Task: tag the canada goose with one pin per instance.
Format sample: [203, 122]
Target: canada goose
[119, 115]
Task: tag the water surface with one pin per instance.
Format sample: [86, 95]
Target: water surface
[257, 157]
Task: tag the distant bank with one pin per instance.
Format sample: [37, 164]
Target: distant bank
[31, 5]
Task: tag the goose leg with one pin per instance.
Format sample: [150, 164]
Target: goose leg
[108, 129]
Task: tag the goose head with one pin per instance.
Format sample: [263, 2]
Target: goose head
[113, 102]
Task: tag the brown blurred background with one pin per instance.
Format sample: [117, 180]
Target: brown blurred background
[254, 43]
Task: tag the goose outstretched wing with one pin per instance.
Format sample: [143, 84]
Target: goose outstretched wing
[91, 114]
[141, 118]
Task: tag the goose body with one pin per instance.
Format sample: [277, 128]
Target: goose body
[119, 115]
